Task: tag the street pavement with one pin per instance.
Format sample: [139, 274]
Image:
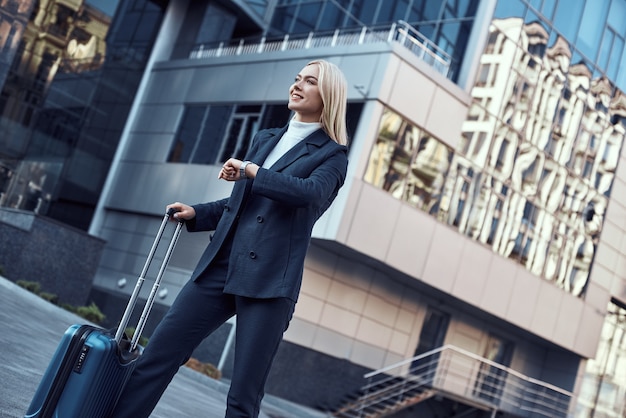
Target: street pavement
[30, 330]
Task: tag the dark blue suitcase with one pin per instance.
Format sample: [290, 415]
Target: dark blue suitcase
[91, 365]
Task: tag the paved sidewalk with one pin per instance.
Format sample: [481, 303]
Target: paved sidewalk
[31, 328]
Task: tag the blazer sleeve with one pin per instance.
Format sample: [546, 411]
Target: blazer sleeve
[207, 216]
[322, 184]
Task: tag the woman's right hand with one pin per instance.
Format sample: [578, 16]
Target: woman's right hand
[183, 211]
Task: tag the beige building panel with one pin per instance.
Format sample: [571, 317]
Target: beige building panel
[347, 297]
[524, 298]
[386, 287]
[446, 117]
[568, 320]
[373, 333]
[405, 321]
[410, 246]
[373, 224]
[380, 310]
[309, 308]
[606, 256]
[498, 289]
[353, 274]
[410, 299]
[301, 332]
[399, 345]
[597, 297]
[315, 284]
[321, 261]
[368, 356]
[388, 82]
[340, 320]
[332, 343]
[412, 94]
[619, 290]
[613, 232]
[590, 327]
[602, 274]
[618, 191]
[463, 335]
[443, 258]
[546, 310]
[473, 273]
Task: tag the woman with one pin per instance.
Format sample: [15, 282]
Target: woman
[254, 263]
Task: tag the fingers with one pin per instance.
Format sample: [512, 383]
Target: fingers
[230, 170]
[183, 211]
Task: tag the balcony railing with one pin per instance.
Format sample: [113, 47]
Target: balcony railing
[458, 374]
[399, 32]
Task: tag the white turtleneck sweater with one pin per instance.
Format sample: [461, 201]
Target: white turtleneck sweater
[296, 132]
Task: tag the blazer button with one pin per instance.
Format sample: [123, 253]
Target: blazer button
[259, 219]
[252, 254]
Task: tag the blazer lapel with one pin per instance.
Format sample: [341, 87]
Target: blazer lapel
[266, 146]
[316, 139]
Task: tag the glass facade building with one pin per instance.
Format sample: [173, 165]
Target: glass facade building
[477, 245]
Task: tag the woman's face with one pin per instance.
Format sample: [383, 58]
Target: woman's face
[304, 95]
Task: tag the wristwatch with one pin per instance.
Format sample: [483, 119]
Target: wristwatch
[242, 170]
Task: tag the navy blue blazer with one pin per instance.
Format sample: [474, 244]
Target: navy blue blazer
[275, 214]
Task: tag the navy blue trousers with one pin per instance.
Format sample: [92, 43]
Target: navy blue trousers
[199, 309]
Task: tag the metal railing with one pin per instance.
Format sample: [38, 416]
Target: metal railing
[400, 32]
[459, 374]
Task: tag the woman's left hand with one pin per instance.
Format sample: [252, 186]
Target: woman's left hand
[230, 170]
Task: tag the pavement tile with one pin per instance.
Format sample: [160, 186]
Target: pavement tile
[31, 328]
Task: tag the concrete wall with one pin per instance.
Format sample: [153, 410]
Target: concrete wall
[61, 258]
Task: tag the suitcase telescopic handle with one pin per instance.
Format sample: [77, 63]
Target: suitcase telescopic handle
[119, 335]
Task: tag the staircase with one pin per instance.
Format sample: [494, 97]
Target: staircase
[453, 373]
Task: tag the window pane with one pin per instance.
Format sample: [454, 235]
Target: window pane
[615, 58]
[617, 16]
[393, 10]
[567, 17]
[307, 17]
[283, 16]
[591, 26]
[332, 17]
[187, 135]
[364, 11]
[605, 49]
[509, 8]
[212, 135]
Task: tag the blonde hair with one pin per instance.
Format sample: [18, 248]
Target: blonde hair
[333, 90]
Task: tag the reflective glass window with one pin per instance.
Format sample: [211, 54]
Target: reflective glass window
[209, 140]
[190, 128]
[606, 47]
[538, 150]
[615, 57]
[617, 17]
[591, 27]
[392, 11]
[547, 9]
[509, 8]
[283, 18]
[567, 17]
[432, 10]
[332, 17]
[364, 11]
[307, 17]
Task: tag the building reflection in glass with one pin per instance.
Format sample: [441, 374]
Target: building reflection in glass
[536, 162]
[603, 388]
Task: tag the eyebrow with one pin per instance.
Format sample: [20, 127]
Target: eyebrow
[308, 76]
